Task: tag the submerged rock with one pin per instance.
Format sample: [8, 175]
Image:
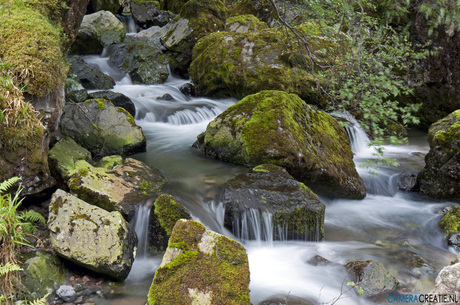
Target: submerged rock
[90, 236]
[372, 277]
[275, 127]
[98, 30]
[441, 176]
[102, 128]
[201, 267]
[119, 189]
[270, 189]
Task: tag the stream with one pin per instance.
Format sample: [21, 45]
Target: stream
[382, 227]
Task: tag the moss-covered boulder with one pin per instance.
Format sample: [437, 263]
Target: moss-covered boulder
[120, 188]
[43, 273]
[174, 6]
[98, 30]
[64, 156]
[167, 210]
[145, 13]
[90, 236]
[269, 189]
[201, 267]
[275, 127]
[262, 9]
[441, 176]
[142, 62]
[88, 76]
[372, 277]
[239, 64]
[197, 19]
[102, 128]
[450, 224]
[244, 23]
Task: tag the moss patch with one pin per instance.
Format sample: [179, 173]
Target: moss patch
[451, 221]
[32, 44]
[169, 211]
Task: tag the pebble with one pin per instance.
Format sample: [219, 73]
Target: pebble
[66, 293]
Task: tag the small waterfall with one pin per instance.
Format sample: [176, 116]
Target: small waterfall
[188, 116]
[254, 225]
[141, 226]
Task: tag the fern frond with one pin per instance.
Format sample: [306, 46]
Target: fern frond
[9, 267]
[33, 216]
[7, 184]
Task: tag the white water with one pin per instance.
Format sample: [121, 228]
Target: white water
[385, 223]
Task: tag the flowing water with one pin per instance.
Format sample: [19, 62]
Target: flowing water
[383, 226]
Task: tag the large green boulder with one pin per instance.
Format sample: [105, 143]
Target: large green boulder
[102, 128]
[275, 127]
[64, 156]
[91, 237]
[98, 30]
[441, 176]
[237, 64]
[201, 267]
[118, 188]
[145, 64]
[43, 273]
[244, 23]
[270, 189]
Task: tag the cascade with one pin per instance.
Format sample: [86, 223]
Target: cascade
[140, 223]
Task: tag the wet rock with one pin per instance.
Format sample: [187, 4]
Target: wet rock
[188, 90]
[146, 13]
[275, 127]
[117, 99]
[166, 97]
[318, 260]
[269, 188]
[90, 236]
[102, 128]
[150, 36]
[372, 277]
[42, 273]
[64, 157]
[441, 176]
[76, 96]
[88, 76]
[98, 30]
[450, 224]
[406, 181]
[145, 64]
[202, 267]
[66, 293]
[418, 265]
[169, 211]
[119, 189]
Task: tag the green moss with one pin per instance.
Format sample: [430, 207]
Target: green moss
[32, 44]
[110, 162]
[250, 20]
[450, 223]
[100, 103]
[169, 211]
[129, 117]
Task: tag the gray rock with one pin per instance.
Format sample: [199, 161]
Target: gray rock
[76, 96]
[406, 181]
[269, 188]
[151, 36]
[142, 62]
[66, 293]
[188, 90]
[88, 76]
[91, 237]
[97, 31]
[372, 277]
[102, 128]
[447, 283]
[146, 14]
[64, 158]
